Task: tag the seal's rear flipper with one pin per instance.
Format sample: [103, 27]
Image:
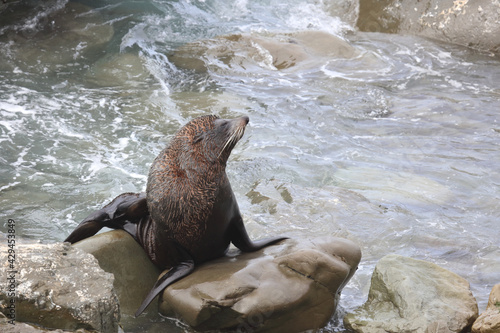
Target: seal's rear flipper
[174, 274]
[84, 230]
[123, 212]
[240, 239]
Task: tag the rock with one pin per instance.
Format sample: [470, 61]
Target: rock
[347, 10]
[65, 33]
[122, 69]
[469, 23]
[489, 320]
[290, 287]
[6, 327]
[402, 187]
[301, 49]
[58, 287]
[408, 295]
[118, 253]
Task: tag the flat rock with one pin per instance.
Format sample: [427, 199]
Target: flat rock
[489, 320]
[289, 287]
[58, 287]
[409, 295]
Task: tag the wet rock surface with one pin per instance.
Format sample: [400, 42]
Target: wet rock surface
[65, 33]
[409, 295]
[289, 287]
[118, 253]
[59, 287]
[489, 320]
[469, 23]
[290, 51]
[6, 327]
[123, 69]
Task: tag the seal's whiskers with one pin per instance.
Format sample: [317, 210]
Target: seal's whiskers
[232, 139]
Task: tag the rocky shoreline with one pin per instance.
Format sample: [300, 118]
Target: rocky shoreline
[291, 287]
[94, 299]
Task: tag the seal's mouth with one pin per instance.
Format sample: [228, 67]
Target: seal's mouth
[236, 129]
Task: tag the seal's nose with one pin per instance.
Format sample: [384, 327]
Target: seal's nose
[245, 119]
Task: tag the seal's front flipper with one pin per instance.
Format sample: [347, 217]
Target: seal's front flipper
[122, 213]
[174, 274]
[240, 239]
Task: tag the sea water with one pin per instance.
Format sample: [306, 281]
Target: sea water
[389, 140]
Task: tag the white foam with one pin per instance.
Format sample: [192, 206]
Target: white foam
[307, 16]
[13, 108]
[31, 24]
[5, 187]
[132, 174]
[64, 130]
[96, 165]
[7, 125]
[20, 157]
[453, 83]
[123, 142]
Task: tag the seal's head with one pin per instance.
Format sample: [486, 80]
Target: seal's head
[207, 139]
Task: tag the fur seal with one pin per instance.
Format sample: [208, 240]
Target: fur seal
[189, 213]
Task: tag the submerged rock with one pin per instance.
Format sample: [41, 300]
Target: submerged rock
[58, 287]
[272, 52]
[489, 320]
[290, 287]
[408, 295]
[65, 34]
[122, 69]
[402, 187]
[469, 23]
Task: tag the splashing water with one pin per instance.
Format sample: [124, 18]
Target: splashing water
[388, 140]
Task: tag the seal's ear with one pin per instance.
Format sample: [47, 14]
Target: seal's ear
[199, 137]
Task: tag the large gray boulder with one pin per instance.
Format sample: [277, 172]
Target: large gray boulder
[489, 320]
[469, 23]
[58, 287]
[118, 253]
[409, 295]
[290, 287]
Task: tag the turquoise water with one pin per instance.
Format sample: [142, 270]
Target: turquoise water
[388, 140]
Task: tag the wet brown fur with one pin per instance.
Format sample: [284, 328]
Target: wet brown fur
[184, 183]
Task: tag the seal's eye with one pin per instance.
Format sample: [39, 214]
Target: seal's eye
[198, 137]
[220, 123]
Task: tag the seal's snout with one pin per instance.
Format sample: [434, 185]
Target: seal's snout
[240, 122]
[240, 125]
